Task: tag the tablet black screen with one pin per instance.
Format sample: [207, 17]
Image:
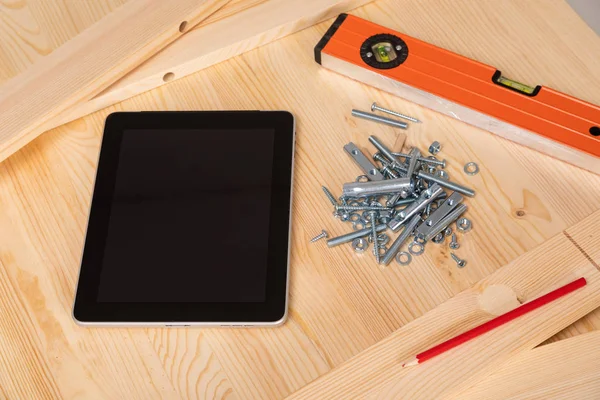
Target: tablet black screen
[189, 217]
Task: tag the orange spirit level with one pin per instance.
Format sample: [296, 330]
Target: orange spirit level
[538, 117]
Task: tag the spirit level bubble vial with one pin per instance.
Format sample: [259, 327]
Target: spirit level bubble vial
[538, 117]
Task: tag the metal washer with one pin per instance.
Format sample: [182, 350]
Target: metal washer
[418, 252]
[400, 256]
[471, 168]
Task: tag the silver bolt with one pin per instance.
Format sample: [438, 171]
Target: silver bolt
[441, 163]
[459, 262]
[448, 231]
[398, 47]
[369, 54]
[330, 196]
[373, 215]
[375, 107]
[380, 119]
[322, 235]
[454, 244]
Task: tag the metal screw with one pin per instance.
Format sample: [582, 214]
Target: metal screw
[441, 163]
[380, 119]
[373, 215]
[454, 244]
[330, 196]
[387, 170]
[336, 241]
[383, 149]
[439, 238]
[375, 107]
[361, 208]
[322, 235]
[448, 231]
[459, 262]
[369, 54]
[386, 166]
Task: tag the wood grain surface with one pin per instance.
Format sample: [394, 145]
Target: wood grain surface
[73, 74]
[569, 369]
[378, 373]
[256, 22]
[341, 303]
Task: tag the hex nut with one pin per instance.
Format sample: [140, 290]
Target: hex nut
[435, 147]
[442, 175]
[464, 225]
[360, 245]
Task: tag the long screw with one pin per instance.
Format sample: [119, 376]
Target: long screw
[380, 119]
[330, 196]
[375, 107]
[373, 215]
[322, 235]
[459, 262]
[347, 238]
[408, 229]
[361, 208]
[386, 169]
[426, 160]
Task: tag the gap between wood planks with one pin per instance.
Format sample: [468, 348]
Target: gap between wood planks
[578, 247]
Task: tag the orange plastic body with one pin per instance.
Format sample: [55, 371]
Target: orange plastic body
[467, 82]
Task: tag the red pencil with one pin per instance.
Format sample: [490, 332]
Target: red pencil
[496, 322]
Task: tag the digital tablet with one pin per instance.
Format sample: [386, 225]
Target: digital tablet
[189, 221]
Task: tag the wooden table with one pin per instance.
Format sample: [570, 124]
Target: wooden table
[341, 303]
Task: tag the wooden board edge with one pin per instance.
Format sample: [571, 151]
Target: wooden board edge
[74, 73]
[193, 52]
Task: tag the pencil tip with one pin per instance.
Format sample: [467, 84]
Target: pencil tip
[410, 363]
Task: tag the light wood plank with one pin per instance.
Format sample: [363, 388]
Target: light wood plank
[377, 372]
[256, 24]
[341, 303]
[569, 369]
[73, 73]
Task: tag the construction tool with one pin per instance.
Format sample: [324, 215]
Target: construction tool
[539, 117]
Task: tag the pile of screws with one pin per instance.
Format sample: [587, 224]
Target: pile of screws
[399, 193]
